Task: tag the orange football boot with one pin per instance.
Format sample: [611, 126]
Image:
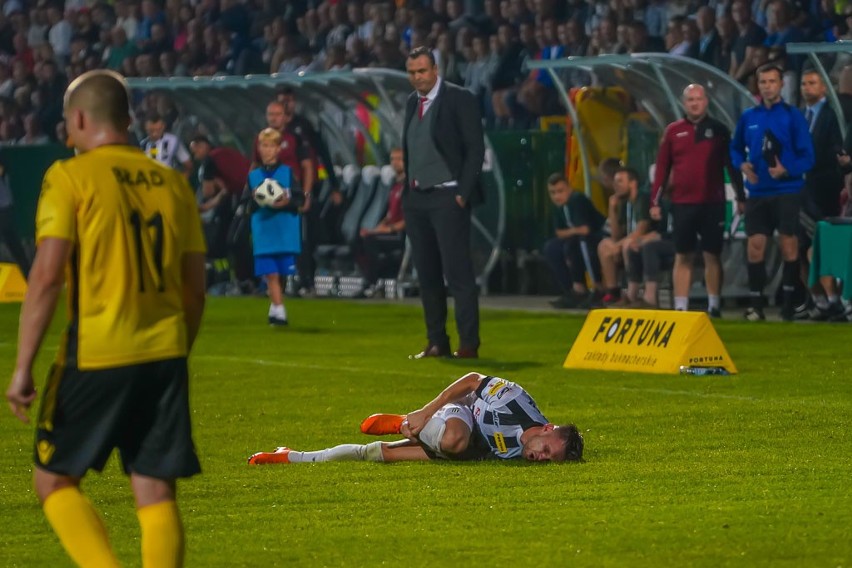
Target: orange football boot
[382, 424]
[280, 455]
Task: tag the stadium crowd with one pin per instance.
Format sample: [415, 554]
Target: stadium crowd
[481, 44]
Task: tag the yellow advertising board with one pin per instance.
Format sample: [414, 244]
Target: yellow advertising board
[13, 287]
[647, 341]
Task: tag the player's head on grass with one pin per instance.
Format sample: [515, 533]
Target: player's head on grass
[555, 443]
[97, 110]
[268, 144]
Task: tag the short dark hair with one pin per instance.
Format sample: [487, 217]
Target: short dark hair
[769, 68]
[422, 51]
[556, 177]
[200, 138]
[609, 166]
[573, 442]
[285, 91]
[153, 117]
[632, 175]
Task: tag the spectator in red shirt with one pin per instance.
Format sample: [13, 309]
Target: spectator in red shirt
[379, 243]
[294, 152]
[690, 164]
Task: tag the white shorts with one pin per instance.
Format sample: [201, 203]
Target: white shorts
[433, 431]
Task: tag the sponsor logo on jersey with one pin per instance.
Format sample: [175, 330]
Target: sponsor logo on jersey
[500, 442]
[497, 386]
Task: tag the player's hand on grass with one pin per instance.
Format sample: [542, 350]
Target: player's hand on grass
[21, 394]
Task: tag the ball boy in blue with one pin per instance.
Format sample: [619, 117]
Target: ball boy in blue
[275, 229]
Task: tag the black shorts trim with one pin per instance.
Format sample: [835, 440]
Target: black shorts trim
[693, 221]
[142, 409]
[765, 215]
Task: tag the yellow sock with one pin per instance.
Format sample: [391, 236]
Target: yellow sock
[162, 535]
[79, 528]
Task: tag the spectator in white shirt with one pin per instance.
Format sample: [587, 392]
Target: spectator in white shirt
[60, 32]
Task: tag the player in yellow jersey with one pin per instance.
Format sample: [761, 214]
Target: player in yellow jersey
[122, 232]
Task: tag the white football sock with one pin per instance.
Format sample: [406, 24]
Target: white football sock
[681, 303]
[343, 452]
[713, 302]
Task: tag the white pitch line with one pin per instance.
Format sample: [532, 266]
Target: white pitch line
[297, 365]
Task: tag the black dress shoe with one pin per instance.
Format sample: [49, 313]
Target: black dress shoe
[466, 353]
[432, 350]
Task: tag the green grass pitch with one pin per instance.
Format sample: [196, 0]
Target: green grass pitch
[749, 470]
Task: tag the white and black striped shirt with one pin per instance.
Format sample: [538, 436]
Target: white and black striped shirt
[168, 150]
[502, 411]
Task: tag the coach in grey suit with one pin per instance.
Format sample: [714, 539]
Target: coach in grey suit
[443, 146]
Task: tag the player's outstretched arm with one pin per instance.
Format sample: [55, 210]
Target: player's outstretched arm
[415, 421]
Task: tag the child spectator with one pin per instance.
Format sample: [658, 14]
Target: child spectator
[276, 231]
[572, 252]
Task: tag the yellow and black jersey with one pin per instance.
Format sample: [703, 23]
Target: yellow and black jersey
[130, 220]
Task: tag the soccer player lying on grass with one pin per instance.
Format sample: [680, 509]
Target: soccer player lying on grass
[476, 417]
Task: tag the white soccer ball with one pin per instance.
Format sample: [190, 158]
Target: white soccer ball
[269, 191]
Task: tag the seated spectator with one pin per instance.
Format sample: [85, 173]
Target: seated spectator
[638, 40]
[120, 49]
[479, 73]
[709, 50]
[510, 73]
[748, 36]
[537, 94]
[376, 248]
[647, 257]
[674, 41]
[164, 146]
[606, 175]
[32, 131]
[629, 222]
[450, 63]
[572, 252]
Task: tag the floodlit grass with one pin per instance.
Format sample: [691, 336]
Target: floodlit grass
[748, 470]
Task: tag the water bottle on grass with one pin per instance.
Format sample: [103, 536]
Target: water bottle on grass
[701, 371]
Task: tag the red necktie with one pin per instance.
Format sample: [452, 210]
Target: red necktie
[422, 107]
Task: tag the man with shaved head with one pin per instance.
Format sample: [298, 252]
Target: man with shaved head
[121, 233]
[690, 170]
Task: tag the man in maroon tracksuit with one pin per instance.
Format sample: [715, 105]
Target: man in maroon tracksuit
[691, 162]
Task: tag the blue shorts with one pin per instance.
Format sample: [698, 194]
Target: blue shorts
[284, 264]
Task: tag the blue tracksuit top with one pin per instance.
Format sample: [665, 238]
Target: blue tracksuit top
[797, 150]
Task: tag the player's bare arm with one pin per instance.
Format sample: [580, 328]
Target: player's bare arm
[194, 287]
[45, 284]
[415, 421]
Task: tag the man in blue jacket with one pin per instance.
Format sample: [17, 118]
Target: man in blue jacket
[772, 147]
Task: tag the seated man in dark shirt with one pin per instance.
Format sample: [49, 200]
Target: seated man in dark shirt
[573, 251]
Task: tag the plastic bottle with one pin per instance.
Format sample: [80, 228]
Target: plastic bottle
[701, 371]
